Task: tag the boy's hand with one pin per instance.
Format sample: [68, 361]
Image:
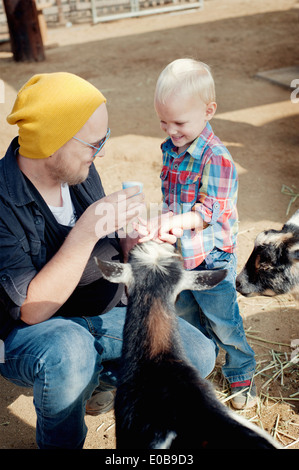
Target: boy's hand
[159, 229]
[169, 227]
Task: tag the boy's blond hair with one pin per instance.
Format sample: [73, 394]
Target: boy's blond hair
[187, 76]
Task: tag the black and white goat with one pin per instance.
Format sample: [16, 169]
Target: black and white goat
[161, 401]
[273, 266]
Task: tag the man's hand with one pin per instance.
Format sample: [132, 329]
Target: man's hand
[111, 213]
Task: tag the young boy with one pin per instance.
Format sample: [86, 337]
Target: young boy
[199, 187]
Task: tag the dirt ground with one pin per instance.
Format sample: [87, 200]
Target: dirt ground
[255, 119]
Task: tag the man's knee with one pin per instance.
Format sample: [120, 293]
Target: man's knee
[69, 366]
[70, 345]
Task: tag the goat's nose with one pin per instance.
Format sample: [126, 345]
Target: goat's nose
[238, 284]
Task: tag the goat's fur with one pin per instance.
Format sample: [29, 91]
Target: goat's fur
[161, 401]
[273, 266]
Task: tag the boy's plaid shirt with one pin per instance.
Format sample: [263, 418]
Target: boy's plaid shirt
[204, 178]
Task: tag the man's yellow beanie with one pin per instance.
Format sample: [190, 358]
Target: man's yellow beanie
[50, 109]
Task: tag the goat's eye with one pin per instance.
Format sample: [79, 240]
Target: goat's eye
[266, 266]
[266, 262]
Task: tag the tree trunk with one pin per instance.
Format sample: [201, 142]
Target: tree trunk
[24, 30]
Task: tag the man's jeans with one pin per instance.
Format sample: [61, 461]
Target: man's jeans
[215, 312]
[62, 359]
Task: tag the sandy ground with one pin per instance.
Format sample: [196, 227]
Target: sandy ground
[255, 119]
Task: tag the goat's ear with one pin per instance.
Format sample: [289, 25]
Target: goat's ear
[115, 272]
[294, 220]
[201, 280]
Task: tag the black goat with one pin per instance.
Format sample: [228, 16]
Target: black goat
[161, 401]
[273, 266]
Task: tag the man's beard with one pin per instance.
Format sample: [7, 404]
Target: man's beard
[60, 172]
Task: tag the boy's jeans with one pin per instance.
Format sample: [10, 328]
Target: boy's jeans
[218, 317]
[62, 358]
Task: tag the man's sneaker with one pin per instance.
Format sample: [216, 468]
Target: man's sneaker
[100, 402]
[243, 394]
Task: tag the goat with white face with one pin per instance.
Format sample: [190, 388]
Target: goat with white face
[161, 401]
[273, 266]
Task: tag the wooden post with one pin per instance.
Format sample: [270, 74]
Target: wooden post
[61, 19]
[24, 30]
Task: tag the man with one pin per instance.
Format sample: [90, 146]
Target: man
[60, 321]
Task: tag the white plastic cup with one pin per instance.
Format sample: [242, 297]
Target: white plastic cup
[129, 184]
